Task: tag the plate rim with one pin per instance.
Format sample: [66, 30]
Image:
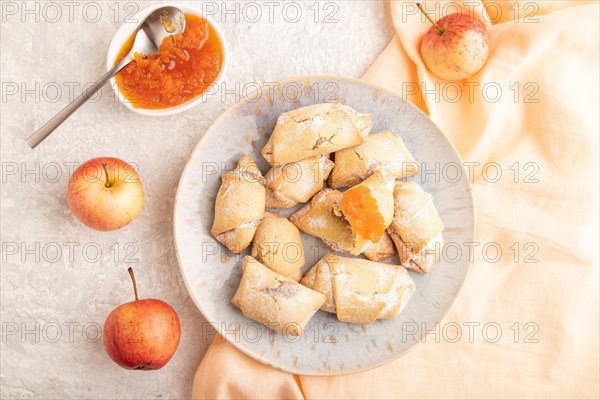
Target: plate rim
[185, 171]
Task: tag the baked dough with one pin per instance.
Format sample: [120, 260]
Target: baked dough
[381, 250]
[275, 301]
[240, 205]
[383, 150]
[296, 182]
[417, 228]
[319, 219]
[360, 291]
[314, 130]
[278, 246]
[369, 208]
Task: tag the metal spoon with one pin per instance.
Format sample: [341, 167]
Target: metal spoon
[163, 22]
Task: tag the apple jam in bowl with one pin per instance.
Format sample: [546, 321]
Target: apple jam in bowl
[187, 67]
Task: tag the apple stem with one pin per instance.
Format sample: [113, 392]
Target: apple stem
[440, 30]
[133, 280]
[107, 184]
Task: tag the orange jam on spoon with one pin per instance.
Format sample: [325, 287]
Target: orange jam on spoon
[185, 67]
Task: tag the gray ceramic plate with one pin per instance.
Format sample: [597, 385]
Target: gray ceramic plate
[327, 346]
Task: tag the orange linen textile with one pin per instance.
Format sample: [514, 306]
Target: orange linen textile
[533, 111]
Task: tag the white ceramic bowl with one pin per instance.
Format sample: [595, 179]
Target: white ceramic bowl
[125, 32]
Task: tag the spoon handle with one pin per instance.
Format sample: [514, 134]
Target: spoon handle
[66, 112]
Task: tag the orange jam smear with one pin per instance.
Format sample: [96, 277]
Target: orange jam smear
[360, 209]
[185, 67]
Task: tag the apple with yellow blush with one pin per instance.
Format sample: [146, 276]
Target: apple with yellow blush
[105, 193]
[142, 334]
[455, 47]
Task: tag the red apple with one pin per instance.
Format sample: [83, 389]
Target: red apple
[142, 334]
[105, 193]
[455, 47]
